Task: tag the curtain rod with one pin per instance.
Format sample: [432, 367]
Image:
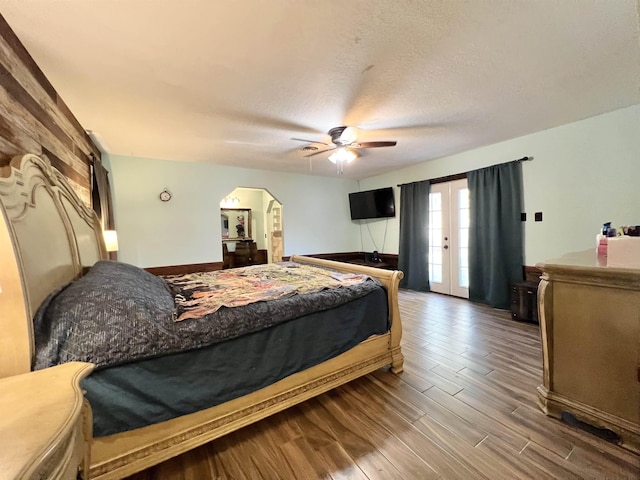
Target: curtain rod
[462, 175]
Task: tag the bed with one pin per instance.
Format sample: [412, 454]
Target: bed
[49, 239]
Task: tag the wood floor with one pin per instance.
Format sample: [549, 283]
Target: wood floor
[464, 408]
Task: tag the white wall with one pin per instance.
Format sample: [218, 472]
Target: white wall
[187, 229]
[583, 174]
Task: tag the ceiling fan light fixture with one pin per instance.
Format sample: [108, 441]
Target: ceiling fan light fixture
[348, 135]
[343, 155]
[343, 136]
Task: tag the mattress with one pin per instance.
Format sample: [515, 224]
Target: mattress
[149, 391]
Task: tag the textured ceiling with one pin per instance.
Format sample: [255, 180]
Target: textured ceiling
[231, 82]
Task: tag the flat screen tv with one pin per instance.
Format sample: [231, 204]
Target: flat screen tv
[377, 203]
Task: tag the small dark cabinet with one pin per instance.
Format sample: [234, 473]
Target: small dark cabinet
[524, 301]
[246, 254]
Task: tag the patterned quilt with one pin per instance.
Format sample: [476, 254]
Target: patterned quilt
[119, 313]
[200, 294]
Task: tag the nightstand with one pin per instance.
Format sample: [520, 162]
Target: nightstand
[46, 425]
[524, 301]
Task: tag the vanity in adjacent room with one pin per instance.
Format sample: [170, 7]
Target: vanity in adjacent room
[238, 247]
[590, 326]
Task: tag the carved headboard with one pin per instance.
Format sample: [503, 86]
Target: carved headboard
[47, 237]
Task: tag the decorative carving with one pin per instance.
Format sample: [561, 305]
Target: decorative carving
[545, 305]
[27, 172]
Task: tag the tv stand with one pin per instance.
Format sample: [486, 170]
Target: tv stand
[380, 264]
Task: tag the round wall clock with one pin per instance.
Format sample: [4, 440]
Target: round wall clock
[165, 195]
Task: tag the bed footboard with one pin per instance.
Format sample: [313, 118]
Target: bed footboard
[391, 280]
[123, 454]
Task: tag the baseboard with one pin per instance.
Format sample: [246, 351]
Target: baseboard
[532, 274]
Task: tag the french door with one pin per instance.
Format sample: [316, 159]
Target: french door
[449, 238]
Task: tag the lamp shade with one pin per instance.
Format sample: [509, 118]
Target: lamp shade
[342, 155]
[111, 240]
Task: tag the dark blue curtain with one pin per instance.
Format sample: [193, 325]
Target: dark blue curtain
[413, 252]
[495, 234]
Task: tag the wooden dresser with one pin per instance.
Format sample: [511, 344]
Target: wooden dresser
[590, 326]
[45, 424]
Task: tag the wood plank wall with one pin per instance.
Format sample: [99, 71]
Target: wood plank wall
[34, 119]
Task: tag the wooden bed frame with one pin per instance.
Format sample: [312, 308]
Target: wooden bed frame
[48, 237]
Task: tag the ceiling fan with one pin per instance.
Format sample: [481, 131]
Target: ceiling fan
[344, 142]
[345, 138]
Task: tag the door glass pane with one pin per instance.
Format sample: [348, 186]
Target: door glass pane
[464, 257]
[464, 277]
[463, 218]
[435, 201]
[435, 237]
[463, 237]
[435, 273]
[463, 198]
[435, 220]
[436, 256]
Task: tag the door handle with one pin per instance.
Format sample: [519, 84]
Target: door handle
[446, 247]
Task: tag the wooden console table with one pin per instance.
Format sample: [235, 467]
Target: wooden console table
[45, 425]
[590, 326]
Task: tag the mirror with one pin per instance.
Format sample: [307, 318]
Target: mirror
[235, 223]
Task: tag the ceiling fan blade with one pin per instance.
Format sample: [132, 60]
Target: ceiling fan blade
[308, 141]
[320, 151]
[373, 144]
[264, 120]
